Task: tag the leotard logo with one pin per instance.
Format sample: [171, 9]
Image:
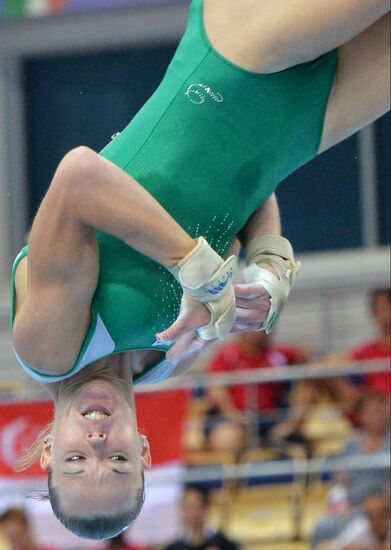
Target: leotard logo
[198, 93]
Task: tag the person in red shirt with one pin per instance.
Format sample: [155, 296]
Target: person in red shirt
[350, 390]
[380, 348]
[227, 420]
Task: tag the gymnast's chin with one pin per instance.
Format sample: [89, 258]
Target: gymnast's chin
[93, 452]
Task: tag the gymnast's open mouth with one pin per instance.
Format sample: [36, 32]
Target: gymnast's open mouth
[95, 412]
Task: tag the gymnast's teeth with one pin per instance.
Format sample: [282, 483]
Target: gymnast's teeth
[96, 415]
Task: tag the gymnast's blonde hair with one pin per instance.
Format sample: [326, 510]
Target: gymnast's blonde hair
[33, 453]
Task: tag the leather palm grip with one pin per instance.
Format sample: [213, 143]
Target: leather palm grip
[276, 252]
[205, 277]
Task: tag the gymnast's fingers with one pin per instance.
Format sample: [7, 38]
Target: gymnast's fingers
[250, 291]
[252, 315]
[192, 316]
[238, 328]
[185, 347]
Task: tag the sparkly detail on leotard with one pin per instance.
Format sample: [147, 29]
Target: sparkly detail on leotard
[170, 297]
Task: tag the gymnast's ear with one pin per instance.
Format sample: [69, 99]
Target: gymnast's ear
[46, 453]
[145, 452]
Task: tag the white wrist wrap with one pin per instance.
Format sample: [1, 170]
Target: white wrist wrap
[278, 253]
[205, 277]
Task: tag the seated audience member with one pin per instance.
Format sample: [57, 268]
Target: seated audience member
[380, 348]
[370, 530]
[373, 438]
[227, 420]
[16, 527]
[348, 391]
[197, 534]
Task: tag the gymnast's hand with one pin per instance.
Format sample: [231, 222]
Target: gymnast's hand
[208, 304]
[183, 332]
[252, 307]
[270, 276]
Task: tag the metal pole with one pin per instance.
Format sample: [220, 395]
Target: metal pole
[368, 186]
[264, 470]
[313, 371]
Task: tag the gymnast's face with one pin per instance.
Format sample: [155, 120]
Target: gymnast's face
[96, 454]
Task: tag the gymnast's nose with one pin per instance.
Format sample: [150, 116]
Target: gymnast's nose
[96, 438]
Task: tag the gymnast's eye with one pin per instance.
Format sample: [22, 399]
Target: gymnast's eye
[119, 458]
[75, 458]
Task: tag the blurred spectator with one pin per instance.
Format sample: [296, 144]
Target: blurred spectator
[15, 525]
[380, 348]
[372, 439]
[197, 534]
[227, 420]
[118, 543]
[371, 530]
[349, 391]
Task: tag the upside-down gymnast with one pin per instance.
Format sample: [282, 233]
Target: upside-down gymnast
[126, 239]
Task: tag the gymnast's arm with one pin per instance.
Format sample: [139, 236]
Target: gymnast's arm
[90, 193]
[252, 301]
[265, 221]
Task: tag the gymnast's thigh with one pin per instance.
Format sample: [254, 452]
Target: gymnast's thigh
[361, 91]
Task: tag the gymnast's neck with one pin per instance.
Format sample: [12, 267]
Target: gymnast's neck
[115, 369]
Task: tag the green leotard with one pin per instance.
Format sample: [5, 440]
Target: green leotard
[211, 145]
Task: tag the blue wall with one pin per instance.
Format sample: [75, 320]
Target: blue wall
[83, 100]
[320, 203]
[383, 173]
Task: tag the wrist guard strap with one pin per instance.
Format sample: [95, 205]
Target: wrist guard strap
[205, 277]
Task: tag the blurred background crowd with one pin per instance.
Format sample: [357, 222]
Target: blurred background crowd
[325, 418]
[298, 458]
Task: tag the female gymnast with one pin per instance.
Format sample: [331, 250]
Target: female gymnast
[126, 239]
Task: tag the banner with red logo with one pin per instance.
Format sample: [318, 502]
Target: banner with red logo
[20, 424]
